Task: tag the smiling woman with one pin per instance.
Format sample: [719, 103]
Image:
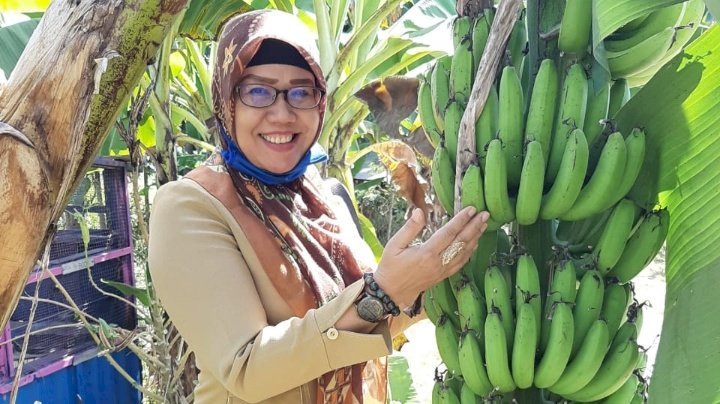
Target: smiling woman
[260, 266]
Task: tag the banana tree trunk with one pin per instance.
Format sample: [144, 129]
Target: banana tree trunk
[57, 106]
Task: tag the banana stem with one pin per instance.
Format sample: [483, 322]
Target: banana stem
[537, 239]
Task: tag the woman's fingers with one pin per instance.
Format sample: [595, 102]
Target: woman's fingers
[408, 232]
[466, 222]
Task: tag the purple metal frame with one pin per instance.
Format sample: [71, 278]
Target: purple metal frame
[7, 367]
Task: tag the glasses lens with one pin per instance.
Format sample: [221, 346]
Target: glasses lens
[303, 97]
[256, 95]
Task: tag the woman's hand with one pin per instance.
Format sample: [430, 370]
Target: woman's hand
[407, 269]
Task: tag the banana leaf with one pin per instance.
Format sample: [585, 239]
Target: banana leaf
[714, 7]
[680, 111]
[203, 18]
[13, 39]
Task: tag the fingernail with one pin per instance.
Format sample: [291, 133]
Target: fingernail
[484, 216]
[471, 211]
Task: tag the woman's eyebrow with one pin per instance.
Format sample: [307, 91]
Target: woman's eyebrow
[302, 81]
[259, 78]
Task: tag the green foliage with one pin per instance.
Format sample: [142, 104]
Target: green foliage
[13, 39]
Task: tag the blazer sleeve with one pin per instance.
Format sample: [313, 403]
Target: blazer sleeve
[206, 287]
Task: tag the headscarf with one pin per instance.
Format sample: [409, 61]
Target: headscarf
[305, 227]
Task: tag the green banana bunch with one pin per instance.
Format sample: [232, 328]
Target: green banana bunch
[497, 299]
[480, 260]
[497, 197]
[575, 27]
[527, 288]
[496, 354]
[560, 341]
[432, 311]
[568, 183]
[588, 305]
[609, 171]
[530, 191]
[467, 395]
[440, 89]
[471, 306]
[541, 111]
[447, 395]
[525, 346]
[583, 367]
[596, 113]
[446, 339]
[570, 116]
[472, 364]
[616, 368]
[625, 393]
[461, 73]
[517, 45]
[642, 246]
[511, 122]
[615, 235]
[657, 21]
[461, 30]
[443, 178]
[453, 116]
[444, 298]
[472, 188]
[635, 147]
[425, 111]
[627, 62]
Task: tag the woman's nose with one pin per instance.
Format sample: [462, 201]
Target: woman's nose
[281, 111]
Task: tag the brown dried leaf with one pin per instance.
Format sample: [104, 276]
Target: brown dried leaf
[400, 160]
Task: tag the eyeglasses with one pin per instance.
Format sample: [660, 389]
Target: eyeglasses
[261, 96]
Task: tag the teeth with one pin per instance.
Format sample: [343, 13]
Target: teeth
[278, 139]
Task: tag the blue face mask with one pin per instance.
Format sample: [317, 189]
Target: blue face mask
[236, 160]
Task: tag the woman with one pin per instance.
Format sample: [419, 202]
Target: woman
[260, 268]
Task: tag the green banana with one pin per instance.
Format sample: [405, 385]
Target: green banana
[486, 125]
[425, 111]
[524, 346]
[480, 35]
[615, 303]
[588, 305]
[446, 339]
[656, 22]
[619, 95]
[511, 123]
[570, 177]
[472, 188]
[448, 396]
[596, 113]
[453, 116]
[615, 235]
[497, 197]
[617, 367]
[527, 288]
[473, 365]
[570, 115]
[444, 298]
[443, 178]
[647, 53]
[625, 393]
[586, 362]
[560, 342]
[575, 27]
[562, 289]
[517, 44]
[530, 191]
[497, 300]
[461, 74]
[440, 88]
[496, 354]
[635, 145]
[467, 396]
[461, 30]
[609, 171]
[432, 311]
[471, 306]
[541, 111]
[480, 260]
[631, 25]
[642, 246]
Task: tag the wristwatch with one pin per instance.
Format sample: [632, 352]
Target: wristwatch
[370, 308]
[374, 305]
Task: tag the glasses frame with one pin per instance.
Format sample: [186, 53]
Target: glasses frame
[237, 93]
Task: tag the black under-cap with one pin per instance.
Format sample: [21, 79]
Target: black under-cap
[272, 51]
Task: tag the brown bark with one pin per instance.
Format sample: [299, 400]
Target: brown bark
[55, 110]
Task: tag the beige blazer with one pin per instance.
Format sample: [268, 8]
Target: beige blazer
[248, 347]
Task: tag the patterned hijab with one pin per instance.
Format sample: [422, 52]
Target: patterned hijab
[314, 242]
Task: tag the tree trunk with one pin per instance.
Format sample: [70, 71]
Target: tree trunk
[60, 101]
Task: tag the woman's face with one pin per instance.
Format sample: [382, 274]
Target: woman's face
[276, 137]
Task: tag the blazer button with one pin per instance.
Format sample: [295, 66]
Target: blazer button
[332, 333]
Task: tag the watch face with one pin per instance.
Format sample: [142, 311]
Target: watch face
[370, 309]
